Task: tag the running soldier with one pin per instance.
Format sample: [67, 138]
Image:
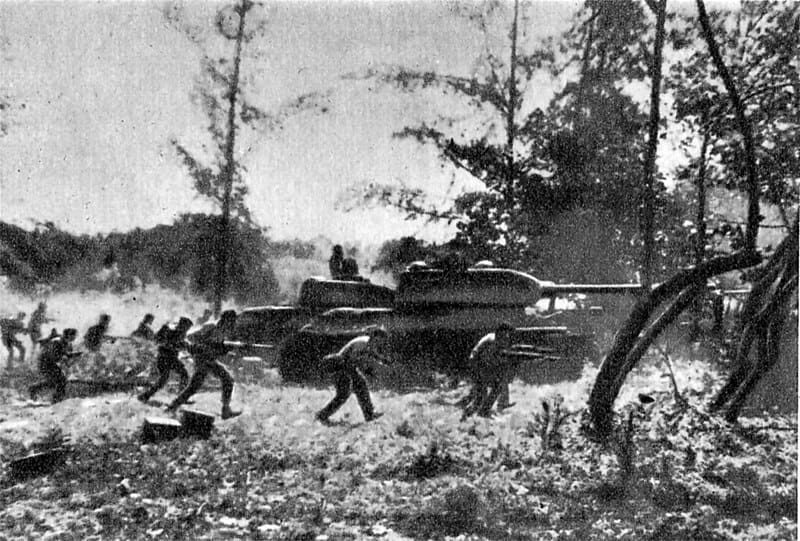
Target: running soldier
[96, 334]
[53, 352]
[347, 366]
[9, 328]
[491, 373]
[144, 331]
[170, 343]
[38, 318]
[206, 347]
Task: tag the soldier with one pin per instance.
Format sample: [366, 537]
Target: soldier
[97, 333]
[38, 317]
[53, 334]
[53, 352]
[335, 262]
[170, 343]
[206, 346]
[490, 373]
[144, 331]
[9, 328]
[349, 269]
[347, 366]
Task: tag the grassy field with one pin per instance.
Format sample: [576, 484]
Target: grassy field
[418, 473]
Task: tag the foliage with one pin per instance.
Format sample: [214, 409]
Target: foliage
[275, 474]
[176, 256]
[580, 154]
[760, 41]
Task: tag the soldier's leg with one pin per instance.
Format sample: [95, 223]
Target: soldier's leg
[163, 368]
[468, 399]
[35, 337]
[504, 398]
[362, 394]
[479, 393]
[485, 408]
[511, 369]
[59, 383]
[10, 347]
[343, 387]
[199, 376]
[21, 349]
[226, 379]
[183, 374]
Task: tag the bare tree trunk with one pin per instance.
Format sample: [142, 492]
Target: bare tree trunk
[224, 235]
[753, 188]
[648, 194]
[700, 237]
[700, 244]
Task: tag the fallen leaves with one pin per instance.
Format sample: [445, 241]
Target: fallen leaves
[274, 473]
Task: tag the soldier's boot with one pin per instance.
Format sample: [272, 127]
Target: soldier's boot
[228, 413]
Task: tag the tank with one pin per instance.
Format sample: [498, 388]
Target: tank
[435, 318]
[260, 329]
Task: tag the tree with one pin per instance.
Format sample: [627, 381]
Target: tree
[762, 39]
[635, 336]
[219, 89]
[659, 8]
[218, 168]
[488, 222]
[582, 152]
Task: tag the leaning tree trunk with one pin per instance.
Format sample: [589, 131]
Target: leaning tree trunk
[764, 316]
[633, 339]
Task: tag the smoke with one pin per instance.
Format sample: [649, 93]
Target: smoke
[82, 309]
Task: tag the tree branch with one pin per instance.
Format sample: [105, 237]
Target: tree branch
[753, 216]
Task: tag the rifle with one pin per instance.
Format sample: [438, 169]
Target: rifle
[235, 344]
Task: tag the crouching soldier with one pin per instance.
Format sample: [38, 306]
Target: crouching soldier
[53, 352]
[96, 334]
[346, 367]
[144, 331]
[170, 343]
[206, 347]
[490, 371]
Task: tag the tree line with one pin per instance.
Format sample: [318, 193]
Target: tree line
[178, 256]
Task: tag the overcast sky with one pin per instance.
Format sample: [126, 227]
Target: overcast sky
[107, 86]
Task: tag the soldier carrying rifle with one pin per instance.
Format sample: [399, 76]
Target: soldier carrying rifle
[207, 346]
[170, 343]
[96, 334]
[53, 352]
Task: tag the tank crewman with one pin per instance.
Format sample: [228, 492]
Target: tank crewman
[38, 318]
[9, 328]
[350, 270]
[206, 347]
[170, 342]
[336, 261]
[53, 352]
[144, 331]
[96, 334]
[347, 365]
[490, 372]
